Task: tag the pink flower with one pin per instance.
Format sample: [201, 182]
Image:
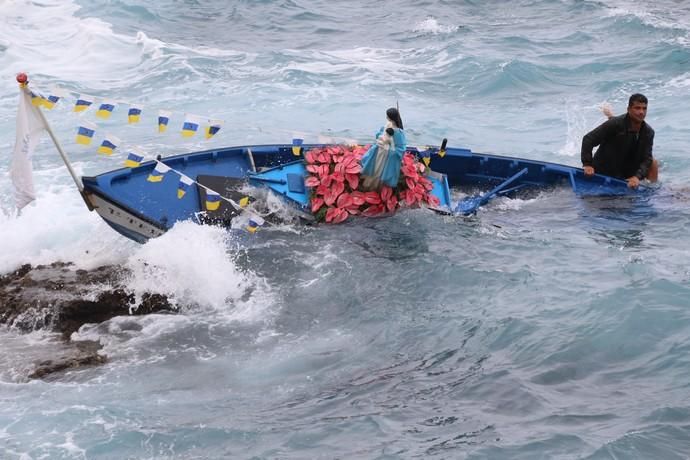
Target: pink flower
[358, 198]
[335, 215]
[352, 180]
[426, 183]
[330, 197]
[408, 196]
[373, 210]
[344, 200]
[392, 203]
[312, 181]
[322, 189]
[372, 198]
[408, 160]
[316, 203]
[433, 200]
[410, 172]
[386, 193]
[335, 177]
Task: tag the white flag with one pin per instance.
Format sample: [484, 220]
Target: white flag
[29, 129]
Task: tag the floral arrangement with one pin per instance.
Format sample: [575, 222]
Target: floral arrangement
[334, 179]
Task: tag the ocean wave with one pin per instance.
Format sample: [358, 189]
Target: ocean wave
[191, 265]
[435, 335]
[658, 15]
[430, 25]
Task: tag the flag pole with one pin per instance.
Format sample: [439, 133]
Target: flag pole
[23, 81]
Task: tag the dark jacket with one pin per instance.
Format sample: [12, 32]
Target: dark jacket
[621, 153]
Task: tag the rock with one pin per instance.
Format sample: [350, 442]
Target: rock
[59, 298]
[85, 353]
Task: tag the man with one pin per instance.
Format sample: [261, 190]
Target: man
[625, 146]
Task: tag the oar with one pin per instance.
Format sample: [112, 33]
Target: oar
[267, 180]
[470, 205]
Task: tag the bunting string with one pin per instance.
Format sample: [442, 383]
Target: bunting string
[133, 113]
[191, 125]
[106, 109]
[213, 198]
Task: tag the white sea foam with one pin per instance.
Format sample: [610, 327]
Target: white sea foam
[577, 125]
[124, 335]
[649, 14]
[58, 227]
[19, 350]
[71, 447]
[191, 265]
[376, 65]
[81, 41]
[512, 204]
[431, 25]
[89, 48]
[680, 81]
[297, 358]
[299, 371]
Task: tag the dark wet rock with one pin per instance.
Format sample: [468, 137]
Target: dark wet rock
[83, 353]
[60, 298]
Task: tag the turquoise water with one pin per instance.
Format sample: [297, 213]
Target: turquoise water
[548, 327]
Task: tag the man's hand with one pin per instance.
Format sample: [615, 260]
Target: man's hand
[589, 171]
[633, 182]
[607, 110]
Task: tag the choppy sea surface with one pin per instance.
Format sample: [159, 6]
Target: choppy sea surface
[550, 327]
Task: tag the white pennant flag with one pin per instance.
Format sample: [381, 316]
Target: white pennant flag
[29, 129]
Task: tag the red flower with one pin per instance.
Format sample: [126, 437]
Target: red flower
[344, 200]
[322, 189]
[408, 196]
[433, 200]
[426, 183]
[323, 157]
[335, 215]
[386, 193]
[334, 176]
[330, 196]
[316, 203]
[410, 172]
[372, 197]
[358, 198]
[373, 210]
[392, 203]
[352, 180]
[312, 181]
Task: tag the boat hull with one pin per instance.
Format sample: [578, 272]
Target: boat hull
[140, 209]
[124, 221]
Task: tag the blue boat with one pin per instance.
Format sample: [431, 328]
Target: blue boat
[139, 209]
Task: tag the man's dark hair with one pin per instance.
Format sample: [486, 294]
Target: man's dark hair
[637, 97]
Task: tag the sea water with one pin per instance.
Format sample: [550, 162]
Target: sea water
[546, 327]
